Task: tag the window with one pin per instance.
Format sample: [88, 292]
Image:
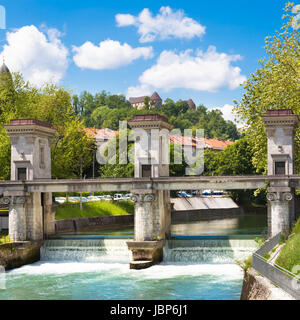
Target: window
[280, 167]
[42, 156]
[22, 174]
[146, 171]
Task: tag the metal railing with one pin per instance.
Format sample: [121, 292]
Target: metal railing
[283, 278]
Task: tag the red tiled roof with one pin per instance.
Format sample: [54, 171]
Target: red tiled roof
[103, 134]
[215, 144]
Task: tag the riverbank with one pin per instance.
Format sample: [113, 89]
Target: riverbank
[257, 287]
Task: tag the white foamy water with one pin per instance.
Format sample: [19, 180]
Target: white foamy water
[161, 271]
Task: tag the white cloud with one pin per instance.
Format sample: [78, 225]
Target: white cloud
[166, 24]
[204, 71]
[227, 111]
[228, 114]
[138, 91]
[109, 54]
[40, 56]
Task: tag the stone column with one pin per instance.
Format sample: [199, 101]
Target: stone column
[147, 247]
[49, 215]
[143, 216]
[17, 217]
[279, 212]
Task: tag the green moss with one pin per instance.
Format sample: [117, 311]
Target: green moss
[94, 209]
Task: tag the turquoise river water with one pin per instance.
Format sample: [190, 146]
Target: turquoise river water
[91, 268]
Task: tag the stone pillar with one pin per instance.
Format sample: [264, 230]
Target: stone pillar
[49, 215]
[152, 224]
[147, 247]
[280, 128]
[143, 223]
[279, 212]
[30, 160]
[17, 217]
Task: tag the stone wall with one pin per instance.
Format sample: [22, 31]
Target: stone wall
[256, 287]
[17, 254]
[207, 214]
[77, 224]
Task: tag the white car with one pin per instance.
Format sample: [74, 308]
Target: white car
[108, 198]
[60, 200]
[127, 196]
[93, 198]
[118, 196]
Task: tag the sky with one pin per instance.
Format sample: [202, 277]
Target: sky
[203, 50]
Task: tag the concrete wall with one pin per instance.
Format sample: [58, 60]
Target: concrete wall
[208, 214]
[17, 254]
[77, 224]
[200, 203]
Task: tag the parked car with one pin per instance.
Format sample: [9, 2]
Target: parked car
[118, 196]
[127, 196]
[100, 197]
[93, 198]
[207, 193]
[73, 199]
[218, 193]
[184, 194]
[108, 198]
[60, 200]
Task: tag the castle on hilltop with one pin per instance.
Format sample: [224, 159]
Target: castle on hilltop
[154, 100]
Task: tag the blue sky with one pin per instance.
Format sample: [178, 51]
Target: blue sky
[166, 49]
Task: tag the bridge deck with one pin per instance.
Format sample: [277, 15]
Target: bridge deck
[166, 183]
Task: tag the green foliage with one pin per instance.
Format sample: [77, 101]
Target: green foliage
[246, 264]
[236, 159]
[260, 241]
[94, 209]
[289, 255]
[106, 110]
[4, 238]
[71, 149]
[267, 256]
[275, 85]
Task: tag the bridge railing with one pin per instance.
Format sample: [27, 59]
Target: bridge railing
[283, 278]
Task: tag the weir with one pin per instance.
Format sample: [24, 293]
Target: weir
[29, 192]
[175, 250]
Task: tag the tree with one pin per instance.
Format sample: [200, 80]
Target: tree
[18, 99]
[236, 159]
[275, 85]
[72, 151]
